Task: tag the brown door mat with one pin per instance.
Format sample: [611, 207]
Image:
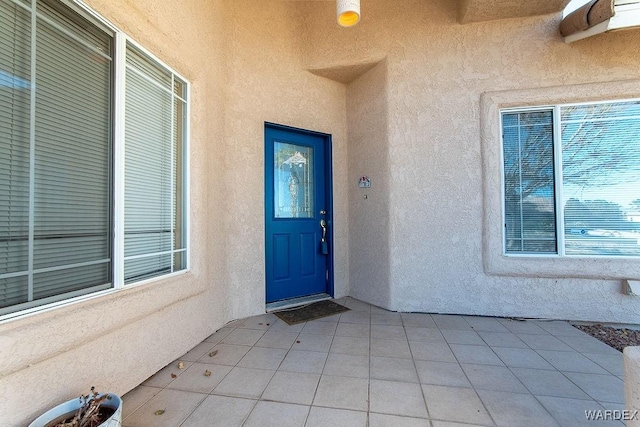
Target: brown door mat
[309, 312]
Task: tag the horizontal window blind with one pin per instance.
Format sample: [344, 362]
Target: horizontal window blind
[58, 146]
[601, 178]
[597, 186]
[15, 107]
[57, 166]
[153, 180]
[530, 225]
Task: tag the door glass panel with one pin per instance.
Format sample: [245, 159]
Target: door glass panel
[293, 181]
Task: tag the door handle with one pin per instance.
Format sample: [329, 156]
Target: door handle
[324, 246]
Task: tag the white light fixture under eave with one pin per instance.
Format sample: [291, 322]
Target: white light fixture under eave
[348, 12]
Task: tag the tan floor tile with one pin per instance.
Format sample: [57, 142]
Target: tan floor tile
[225, 354]
[437, 423]
[263, 358]
[244, 382]
[386, 332]
[282, 326]
[342, 393]
[454, 336]
[195, 379]
[197, 352]
[434, 351]
[356, 317]
[544, 342]
[502, 339]
[441, 373]
[486, 324]
[522, 326]
[243, 337]
[571, 362]
[320, 328]
[588, 344]
[386, 420]
[357, 305]
[262, 322]
[220, 411]
[331, 417]
[496, 378]
[424, 334]
[613, 363]
[548, 383]
[397, 398]
[479, 355]
[390, 348]
[391, 319]
[350, 345]
[313, 342]
[357, 330]
[417, 320]
[276, 414]
[515, 409]
[448, 321]
[311, 362]
[455, 404]
[603, 388]
[136, 398]
[176, 404]
[572, 412]
[276, 339]
[392, 369]
[292, 387]
[521, 358]
[347, 365]
[219, 335]
[366, 358]
[165, 375]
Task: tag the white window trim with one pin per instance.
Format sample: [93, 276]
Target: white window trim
[120, 40]
[495, 261]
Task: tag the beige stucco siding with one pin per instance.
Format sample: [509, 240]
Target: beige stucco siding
[267, 82]
[438, 70]
[116, 341]
[369, 209]
[413, 123]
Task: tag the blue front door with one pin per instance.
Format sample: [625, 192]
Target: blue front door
[297, 212]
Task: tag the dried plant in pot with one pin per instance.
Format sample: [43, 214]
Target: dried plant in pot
[91, 410]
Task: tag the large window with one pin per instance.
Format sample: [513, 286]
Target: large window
[572, 179]
[69, 176]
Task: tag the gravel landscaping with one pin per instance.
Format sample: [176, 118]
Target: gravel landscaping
[617, 338]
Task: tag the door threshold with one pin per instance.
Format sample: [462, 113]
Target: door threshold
[296, 302]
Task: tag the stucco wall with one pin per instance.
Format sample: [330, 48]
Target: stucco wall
[246, 61]
[267, 82]
[438, 71]
[369, 261]
[114, 342]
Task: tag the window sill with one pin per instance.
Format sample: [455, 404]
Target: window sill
[81, 299]
[90, 318]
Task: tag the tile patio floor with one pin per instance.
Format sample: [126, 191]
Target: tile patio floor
[369, 366]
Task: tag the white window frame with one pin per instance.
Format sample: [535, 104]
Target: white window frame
[118, 185]
[495, 261]
[557, 179]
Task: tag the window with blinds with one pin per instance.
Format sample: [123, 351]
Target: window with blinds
[590, 170]
[155, 106]
[57, 158]
[529, 193]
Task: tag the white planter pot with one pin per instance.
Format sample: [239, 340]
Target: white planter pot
[70, 407]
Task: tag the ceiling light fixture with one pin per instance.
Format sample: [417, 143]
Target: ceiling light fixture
[348, 12]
